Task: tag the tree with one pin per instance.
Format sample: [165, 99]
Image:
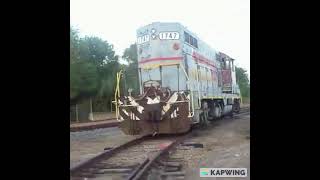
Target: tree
[93, 65]
[130, 54]
[83, 73]
[96, 50]
[74, 45]
[243, 81]
[131, 71]
[102, 55]
[83, 80]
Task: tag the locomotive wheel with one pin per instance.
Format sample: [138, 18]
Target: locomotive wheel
[217, 111]
[236, 108]
[204, 114]
[203, 119]
[231, 114]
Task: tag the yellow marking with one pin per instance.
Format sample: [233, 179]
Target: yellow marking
[218, 97]
[213, 97]
[117, 93]
[153, 66]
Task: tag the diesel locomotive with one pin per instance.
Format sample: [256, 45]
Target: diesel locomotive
[182, 80]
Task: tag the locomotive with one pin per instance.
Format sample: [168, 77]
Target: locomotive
[182, 82]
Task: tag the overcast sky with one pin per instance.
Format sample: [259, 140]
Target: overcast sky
[223, 24]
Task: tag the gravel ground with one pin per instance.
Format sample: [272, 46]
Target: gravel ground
[93, 134]
[86, 144]
[226, 145]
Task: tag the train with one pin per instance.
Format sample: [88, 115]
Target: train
[182, 82]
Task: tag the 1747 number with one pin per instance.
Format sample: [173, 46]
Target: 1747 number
[169, 35]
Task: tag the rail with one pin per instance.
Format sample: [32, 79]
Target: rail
[100, 166]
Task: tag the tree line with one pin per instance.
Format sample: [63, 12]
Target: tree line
[93, 68]
[243, 82]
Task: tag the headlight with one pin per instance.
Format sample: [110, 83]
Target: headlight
[176, 46]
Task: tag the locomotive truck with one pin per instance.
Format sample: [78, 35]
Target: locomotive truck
[182, 81]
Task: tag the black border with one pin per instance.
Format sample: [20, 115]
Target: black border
[283, 137]
[35, 124]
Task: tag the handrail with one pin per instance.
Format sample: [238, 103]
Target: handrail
[191, 94]
[117, 93]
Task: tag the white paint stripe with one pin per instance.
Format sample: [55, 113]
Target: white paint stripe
[123, 110]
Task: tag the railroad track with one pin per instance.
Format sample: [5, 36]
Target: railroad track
[134, 159]
[128, 161]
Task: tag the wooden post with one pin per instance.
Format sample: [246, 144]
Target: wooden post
[77, 119]
[91, 114]
[70, 115]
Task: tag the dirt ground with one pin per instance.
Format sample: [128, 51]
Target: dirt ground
[86, 144]
[226, 145]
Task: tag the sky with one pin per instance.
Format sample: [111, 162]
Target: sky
[222, 24]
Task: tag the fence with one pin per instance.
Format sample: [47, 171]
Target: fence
[90, 110]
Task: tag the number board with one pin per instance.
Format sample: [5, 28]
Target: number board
[143, 39]
[169, 35]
